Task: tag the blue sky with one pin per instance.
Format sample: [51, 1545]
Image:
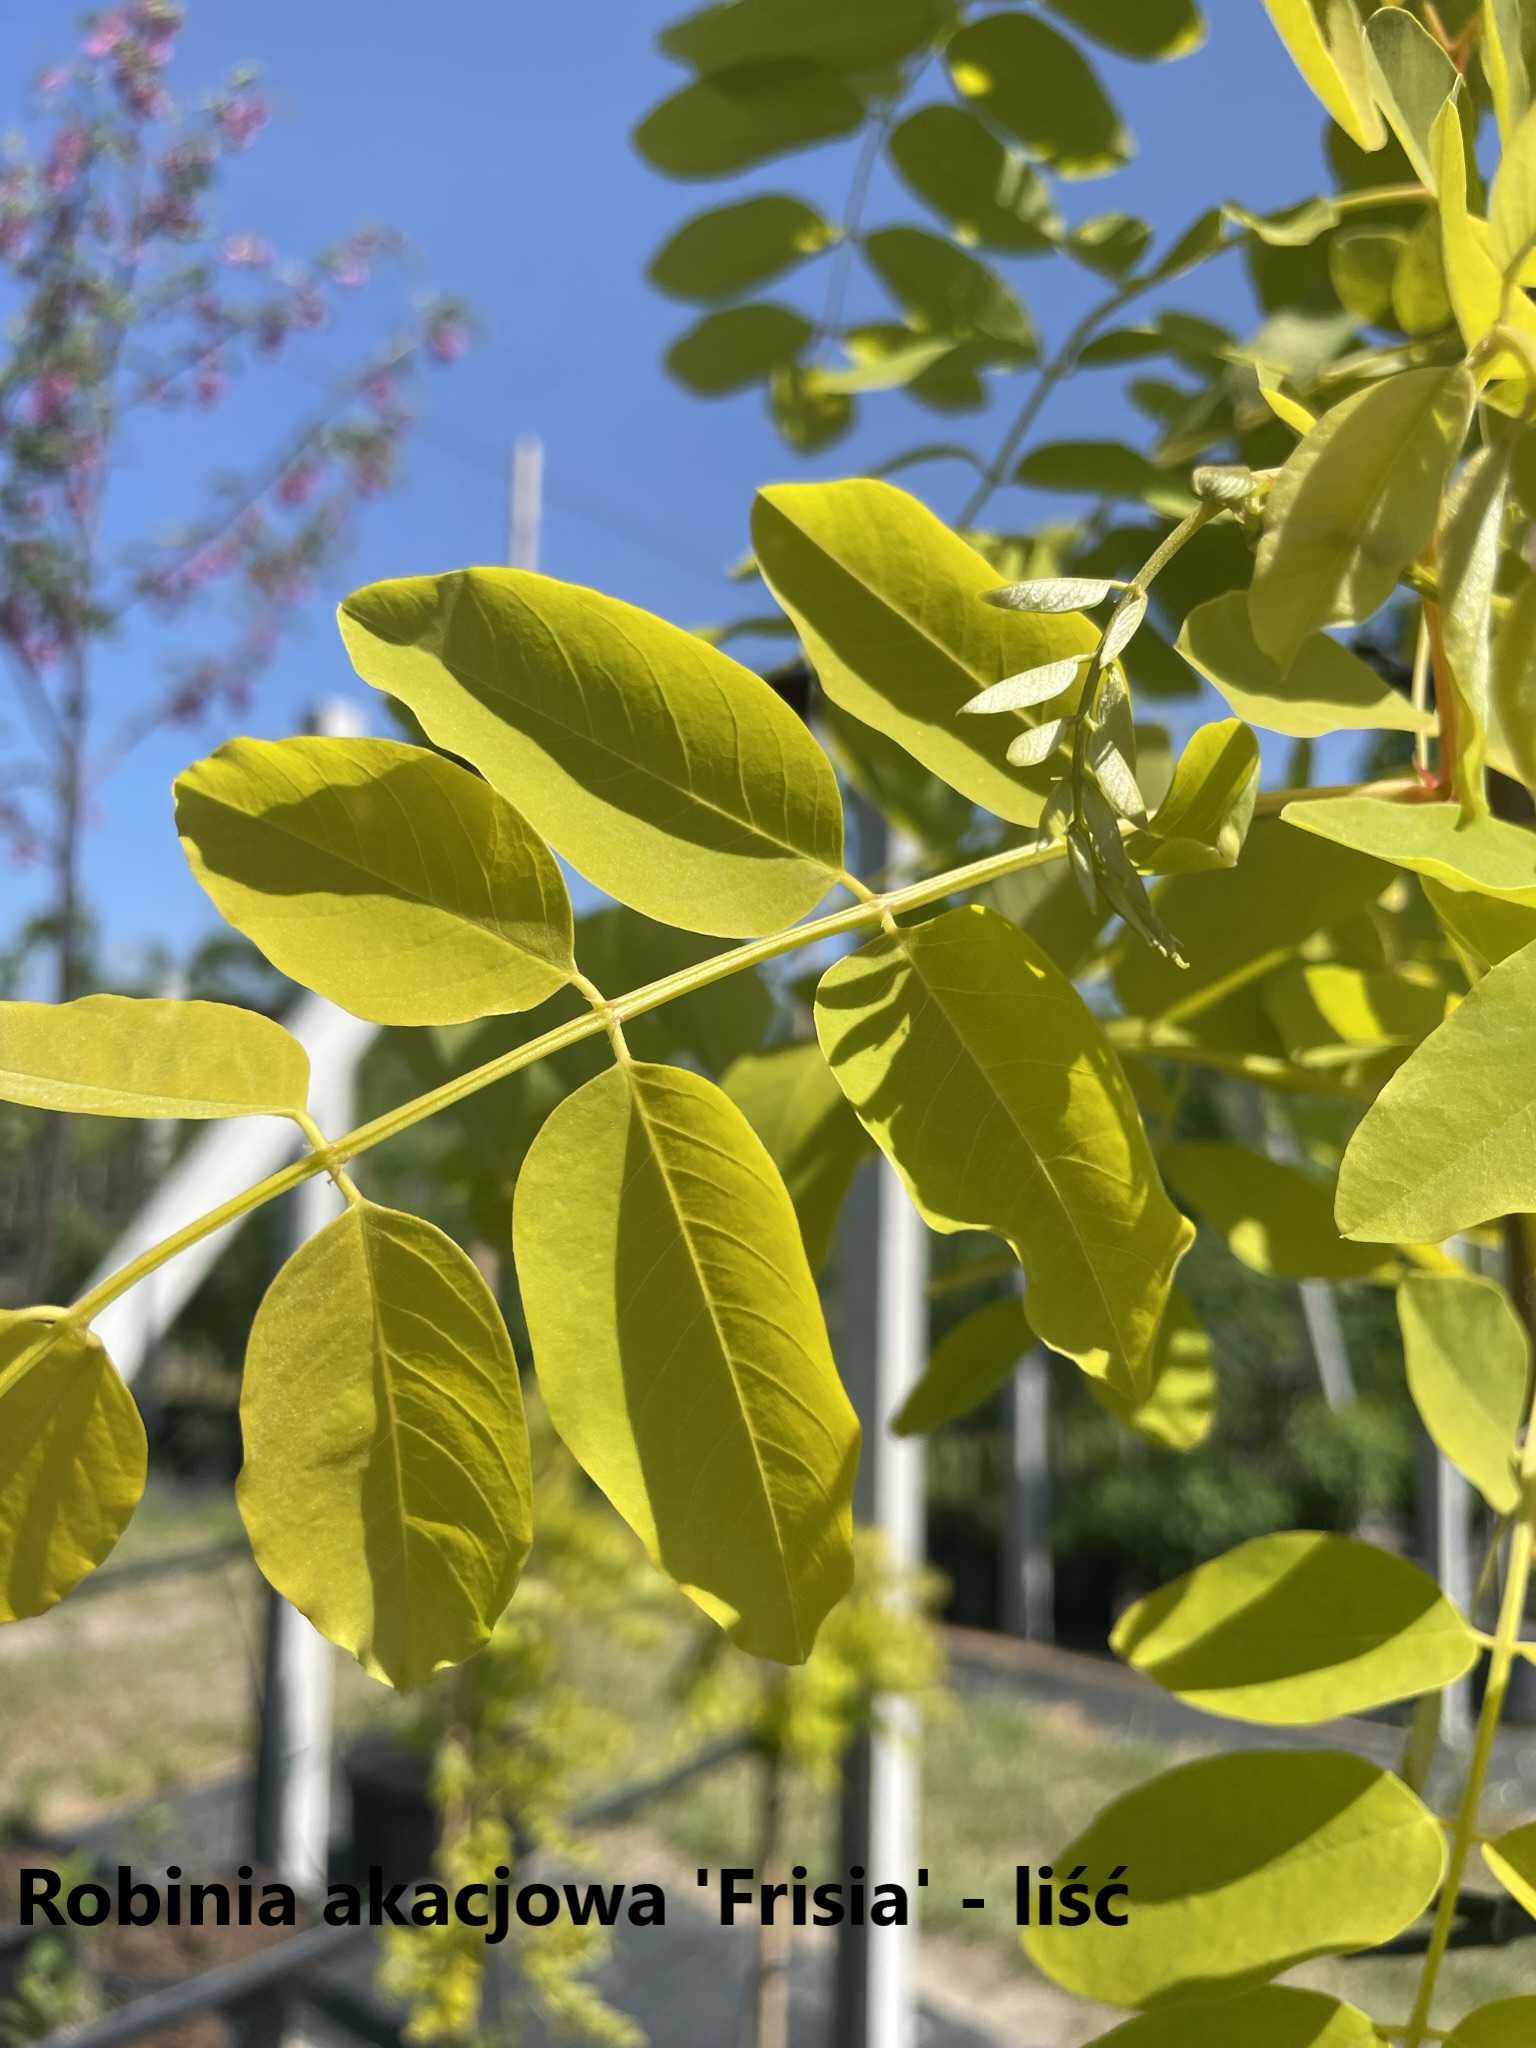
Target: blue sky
[494, 133]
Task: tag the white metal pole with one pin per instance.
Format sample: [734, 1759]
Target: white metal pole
[885, 1350]
[1029, 1589]
[525, 539]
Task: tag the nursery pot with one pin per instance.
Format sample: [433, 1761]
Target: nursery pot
[395, 1825]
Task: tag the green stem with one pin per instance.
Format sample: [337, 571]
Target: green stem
[610, 1015]
[1500, 1664]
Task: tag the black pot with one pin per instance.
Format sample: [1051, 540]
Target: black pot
[395, 1825]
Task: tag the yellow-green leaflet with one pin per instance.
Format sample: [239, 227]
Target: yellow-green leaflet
[1512, 203]
[1512, 1859]
[744, 115]
[1485, 855]
[1483, 929]
[731, 248]
[1514, 678]
[888, 602]
[1504, 61]
[1236, 927]
[1468, 1361]
[1275, 1218]
[72, 1461]
[1507, 2023]
[1038, 86]
[1470, 544]
[1325, 689]
[672, 777]
[1411, 80]
[1330, 1015]
[1152, 29]
[1241, 1866]
[380, 875]
[1204, 818]
[843, 35]
[131, 1056]
[386, 1487]
[1297, 1628]
[1355, 503]
[1472, 273]
[1181, 1408]
[984, 1077]
[813, 1138]
[1335, 69]
[1276, 2017]
[681, 1350]
[1451, 1139]
[977, 1357]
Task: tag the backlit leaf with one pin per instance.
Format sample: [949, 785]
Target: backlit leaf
[1340, 85]
[1511, 1857]
[1468, 1361]
[734, 248]
[1240, 1867]
[923, 1029]
[1275, 1218]
[672, 777]
[1039, 86]
[746, 115]
[1486, 855]
[1330, 1014]
[1153, 28]
[1507, 2023]
[1411, 78]
[1023, 692]
[979, 1356]
[1298, 1628]
[1472, 275]
[846, 35]
[988, 193]
[791, 1101]
[1470, 545]
[1052, 594]
[1324, 688]
[380, 875]
[1514, 680]
[948, 291]
[1483, 929]
[886, 600]
[1355, 503]
[1178, 1413]
[1512, 203]
[1276, 2017]
[1204, 818]
[1104, 469]
[73, 1458]
[1236, 927]
[737, 346]
[131, 1056]
[1363, 264]
[386, 1487]
[1451, 1139]
[1110, 245]
[1504, 60]
[681, 1350]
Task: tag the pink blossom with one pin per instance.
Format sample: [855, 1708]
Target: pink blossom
[382, 391]
[50, 397]
[297, 485]
[241, 119]
[54, 79]
[249, 252]
[447, 338]
[106, 33]
[349, 269]
[210, 384]
[66, 159]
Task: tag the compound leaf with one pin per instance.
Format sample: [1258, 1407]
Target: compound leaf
[983, 1076]
[731, 249]
[148, 1057]
[386, 1488]
[73, 1459]
[681, 1350]
[673, 778]
[1297, 1628]
[380, 875]
[988, 193]
[738, 346]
